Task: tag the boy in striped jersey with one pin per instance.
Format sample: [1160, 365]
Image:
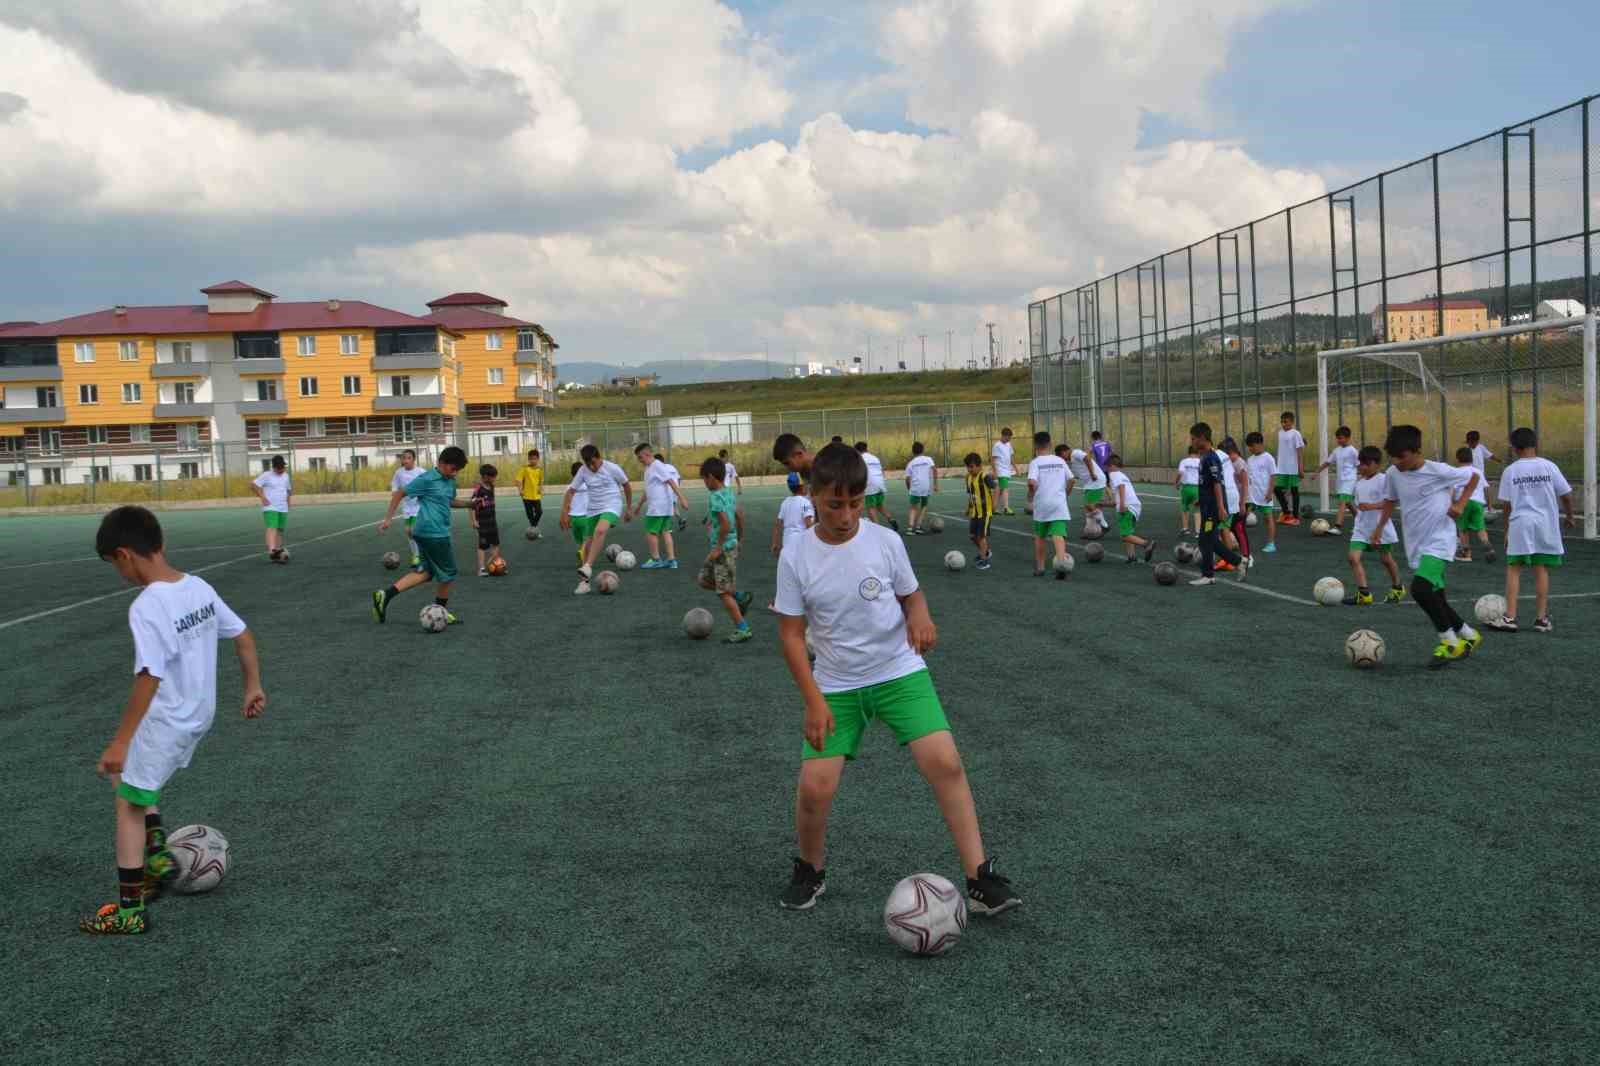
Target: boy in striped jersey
[980, 506]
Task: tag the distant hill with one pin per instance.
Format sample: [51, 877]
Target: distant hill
[674, 371]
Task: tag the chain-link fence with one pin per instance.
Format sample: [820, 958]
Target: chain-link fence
[1497, 231]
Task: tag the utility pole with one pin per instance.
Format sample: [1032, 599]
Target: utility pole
[991, 344]
[949, 343]
[923, 337]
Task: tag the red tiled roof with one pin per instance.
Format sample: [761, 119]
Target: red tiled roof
[465, 299]
[224, 287]
[194, 318]
[1429, 305]
[472, 318]
[18, 322]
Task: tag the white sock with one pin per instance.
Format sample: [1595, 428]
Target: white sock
[1448, 636]
[1467, 632]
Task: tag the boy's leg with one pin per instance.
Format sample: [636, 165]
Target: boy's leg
[1294, 495]
[813, 799]
[127, 914]
[1241, 535]
[940, 765]
[672, 551]
[1038, 555]
[538, 512]
[1281, 495]
[1358, 571]
[527, 510]
[481, 558]
[597, 542]
[1060, 545]
[1541, 592]
[1514, 588]
[652, 544]
[1272, 529]
[1392, 569]
[731, 605]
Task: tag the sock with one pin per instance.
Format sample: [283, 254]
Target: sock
[1466, 632]
[1432, 603]
[1295, 495]
[130, 888]
[155, 838]
[1283, 502]
[1363, 590]
[390, 593]
[1455, 620]
[1447, 636]
[442, 601]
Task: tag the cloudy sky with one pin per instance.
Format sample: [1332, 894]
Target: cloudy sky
[667, 178]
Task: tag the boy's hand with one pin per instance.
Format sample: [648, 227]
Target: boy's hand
[255, 701]
[112, 758]
[383, 527]
[921, 634]
[819, 724]
[1567, 522]
[566, 522]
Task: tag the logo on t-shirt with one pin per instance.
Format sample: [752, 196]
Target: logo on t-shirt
[871, 588]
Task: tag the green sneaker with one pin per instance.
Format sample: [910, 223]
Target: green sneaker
[1444, 654]
[160, 870]
[1395, 595]
[739, 635]
[743, 599]
[1471, 643]
[112, 920]
[451, 619]
[380, 605]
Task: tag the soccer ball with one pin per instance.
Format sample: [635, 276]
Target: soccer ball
[1094, 553]
[391, 560]
[1320, 527]
[434, 619]
[954, 560]
[532, 534]
[925, 914]
[1187, 554]
[607, 582]
[626, 560]
[1063, 564]
[1364, 649]
[612, 551]
[1252, 519]
[283, 555]
[697, 623]
[1306, 510]
[1490, 609]
[1328, 591]
[1166, 574]
[202, 857]
[497, 567]
[936, 524]
[1093, 530]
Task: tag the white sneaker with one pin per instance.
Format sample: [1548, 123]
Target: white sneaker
[582, 589]
[1203, 580]
[587, 572]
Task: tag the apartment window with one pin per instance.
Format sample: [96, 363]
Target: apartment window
[349, 344]
[143, 472]
[139, 434]
[88, 393]
[83, 351]
[182, 352]
[188, 471]
[99, 435]
[316, 427]
[404, 427]
[497, 376]
[358, 427]
[267, 389]
[128, 351]
[352, 385]
[52, 475]
[271, 435]
[308, 386]
[317, 462]
[266, 464]
[188, 436]
[45, 396]
[400, 385]
[50, 441]
[358, 462]
[435, 424]
[132, 392]
[183, 392]
[527, 340]
[102, 474]
[497, 411]
[502, 445]
[308, 345]
[491, 342]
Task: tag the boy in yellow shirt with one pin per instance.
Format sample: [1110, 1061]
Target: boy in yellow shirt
[531, 481]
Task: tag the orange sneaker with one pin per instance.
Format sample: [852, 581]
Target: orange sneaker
[1223, 564]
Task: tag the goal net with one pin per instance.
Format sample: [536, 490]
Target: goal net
[1538, 374]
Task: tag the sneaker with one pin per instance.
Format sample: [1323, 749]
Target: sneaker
[989, 893]
[451, 620]
[380, 605]
[672, 564]
[1462, 557]
[1490, 555]
[1543, 625]
[1061, 575]
[1335, 531]
[1271, 549]
[744, 599]
[482, 572]
[1444, 654]
[805, 885]
[653, 564]
[1224, 566]
[1506, 624]
[160, 870]
[1203, 580]
[586, 572]
[416, 561]
[983, 564]
[1350, 600]
[582, 589]
[740, 634]
[113, 920]
[1394, 595]
[1363, 599]
[1038, 573]
[1008, 511]
[1241, 575]
[1470, 644]
[1149, 551]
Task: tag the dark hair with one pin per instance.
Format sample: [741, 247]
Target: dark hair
[1229, 444]
[1063, 448]
[409, 451]
[1114, 460]
[575, 468]
[277, 462]
[1286, 414]
[454, 456]
[1371, 453]
[861, 445]
[488, 470]
[714, 467]
[837, 466]
[130, 527]
[1201, 430]
[1463, 455]
[1254, 437]
[1402, 438]
[1523, 437]
[587, 452]
[1472, 436]
[1005, 431]
[723, 454]
[1041, 439]
[972, 459]
[533, 453]
[637, 448]
[916, 447]
[786, 445]
[1343, 431]
[1094, 435]
[836, 439]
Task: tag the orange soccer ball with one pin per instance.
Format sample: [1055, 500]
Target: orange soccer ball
[497, 567]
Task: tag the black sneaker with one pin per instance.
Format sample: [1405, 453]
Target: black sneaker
[989, 893]
[805, 886]
[894, 525]
[1490, 555]
[1543, 625]
[1150, 551]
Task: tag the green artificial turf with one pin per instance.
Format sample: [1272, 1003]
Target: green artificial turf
[557, 831]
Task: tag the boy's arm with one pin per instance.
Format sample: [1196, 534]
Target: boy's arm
[627, 499]
[777, 536]
[682, 499]
[460, 504]
[394, 502]
[1122, 497]
[1457, 503]
[139, 699]
[255, 700]
[921, 633]
[566, 508]
[818, 722]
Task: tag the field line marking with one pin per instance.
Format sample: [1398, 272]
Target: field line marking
[96, 558]
[197, 570]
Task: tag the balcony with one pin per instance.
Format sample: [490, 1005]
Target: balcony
[422, 401]
[409, 361]
[259, 408]
[180, 370]
[530, 357]
[183, 410]
[533, 393]
[260, 366]
[31, 373]
[12, 415]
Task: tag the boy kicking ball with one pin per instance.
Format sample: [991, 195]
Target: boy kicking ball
[1128, 510]
[1431, 495]
[484, 522]
[176, 622]
[610, 496]
[1530, 489]
[981, 494]
[719, 574]
[852, 585]
[1370, 533]
[435, 493]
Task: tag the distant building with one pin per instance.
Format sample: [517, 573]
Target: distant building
[1560, 309]
[634, 381]
[1419, 320]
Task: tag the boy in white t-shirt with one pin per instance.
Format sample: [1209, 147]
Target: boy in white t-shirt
[876, 488]
[578, 511]
[408, 472]
[922, 481]
[176, 622]
[659, 502]
[1086, 468]
[796, 516]
[1431, 496]
[1480, 455]
[1262, 469]
[851, 584]
[1128, 511]
[1236, 488]
[1369, 532]
[1291, 461]
[1001, 457]
[1048, 476]
[273, 489]
[1530, 490]
[1342, 461]
[610, 497]
[1188, 485]
[1471, 520]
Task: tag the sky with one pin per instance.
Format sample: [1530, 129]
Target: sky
[712, 180]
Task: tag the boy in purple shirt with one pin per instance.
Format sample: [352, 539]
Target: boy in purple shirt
[1101, 449]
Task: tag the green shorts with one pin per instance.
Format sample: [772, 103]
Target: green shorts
[1127, 522]
[275, 519]
[1263, 508]
[139, 797]
[1287, 481]
[907, 705]
[874, 500]
[437, 558]
[1093, 496]
[1057, 528]
[1005, 482]
[1431, 569]
[919, 501]
[611, 517]
[661, 523]
[1471, 518]
[1533, 560]
[1188, 496]
[411, 521]
[1345, 497]
[1363, 546]
[582, 528]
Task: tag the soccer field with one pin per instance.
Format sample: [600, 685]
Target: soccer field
[558, 831]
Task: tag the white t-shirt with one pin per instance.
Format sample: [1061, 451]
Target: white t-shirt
[605, 487]
[1372, 490]
[1424, 496]
[1289, 444]
[920, 471]
[580, 498]
[847, 595]
[276, 487]
[658, 495]
[176, 626]
[792, 513]
[1261, 468]
[1130, 499]
[1533, 488]
[1001, 454]
[1479, 491]
[1342, 461]
[874, 473]
[732, 473]
[1049, 476]
[402, 478]
[1188, 470]
[1232, 467]
[1080, 470]
[1480, 455]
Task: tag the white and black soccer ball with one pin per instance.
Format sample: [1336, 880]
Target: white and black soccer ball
[1320, 527]
[201, 854]
[1063, 564]
[1489, 609]
[612, 551]
[1328, 591]
[697, 623]
[1093, 529]
[626, 560]
[925, 914]
[391, 560]
[935, 524]
[954, 560]
[434, 619]
[532, 534]
[1364, 649]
